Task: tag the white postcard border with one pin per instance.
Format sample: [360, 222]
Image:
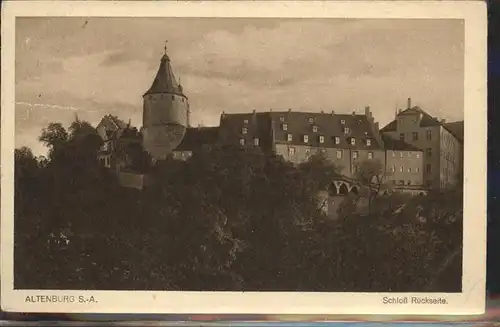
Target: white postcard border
[471, 301]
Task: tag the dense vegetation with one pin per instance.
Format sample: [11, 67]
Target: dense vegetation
[226, 219]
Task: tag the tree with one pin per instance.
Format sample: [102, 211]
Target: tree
[55, 137]
[371, 175]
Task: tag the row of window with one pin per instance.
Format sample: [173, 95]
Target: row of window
[415, 135]
[408, 154]
[312, 120]
[339, 153]
[402, 169]
[321, 139]
[255, 141]
[284, 127]
[151, 97]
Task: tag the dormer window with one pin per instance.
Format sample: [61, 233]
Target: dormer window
[353, 141]
[337, 140]
[245, 121]
[321, 139]
[342, 121]
[289, 137]
[306, 138]
[315, 129]
[244, 130]
[282, 118]
[256, 141]
[242, 142]
[284, 127]
[368, 142]
[346, 130]
[311, 120]
[370, 155]
[355, 154]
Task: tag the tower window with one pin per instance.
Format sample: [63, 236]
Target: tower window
[306, 138]
[284, 127]
[321, 139]
[244, 130]
[289, 137]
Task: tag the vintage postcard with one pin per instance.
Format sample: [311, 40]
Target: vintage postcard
[243, 157]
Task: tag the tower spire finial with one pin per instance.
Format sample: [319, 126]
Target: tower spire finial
[165, 47]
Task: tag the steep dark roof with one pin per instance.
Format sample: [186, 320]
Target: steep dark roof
[196, 137]
[165, 81]
[427, 121]
[329, 125]
[393, 144]
[457, 129]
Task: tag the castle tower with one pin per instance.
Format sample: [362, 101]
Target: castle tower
[165, 112]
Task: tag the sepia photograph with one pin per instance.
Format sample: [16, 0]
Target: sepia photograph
[232, 155]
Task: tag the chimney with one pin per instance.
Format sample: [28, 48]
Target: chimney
[377, 126]
[443, 121]
[368, 112]
[354, 113]
[333, 112]
[409, 103]
[270, 109]
[399, 111]
[223, 115]
[289, 109]
[253, 111]
[322, 112]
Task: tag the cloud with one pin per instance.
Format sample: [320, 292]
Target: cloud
[103, 65]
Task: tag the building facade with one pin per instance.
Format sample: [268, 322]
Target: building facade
[440, 142]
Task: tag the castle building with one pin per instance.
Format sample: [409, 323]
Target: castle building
[165, 113]
[110, 129]
[441, 142]
[415, 150]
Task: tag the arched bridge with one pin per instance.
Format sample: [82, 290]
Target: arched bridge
[343, 186]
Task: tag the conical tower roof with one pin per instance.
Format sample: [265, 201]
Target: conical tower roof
[165, 81]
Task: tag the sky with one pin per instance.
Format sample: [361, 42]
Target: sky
[67, 66]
